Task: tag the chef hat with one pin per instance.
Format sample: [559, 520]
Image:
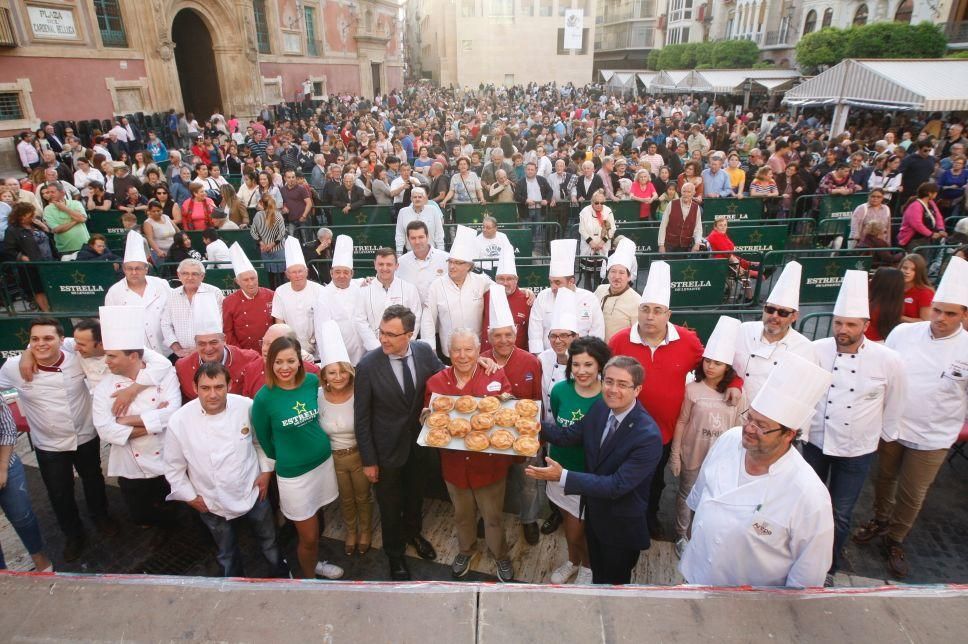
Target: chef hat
[294, 254]
[564, 312]
[122, 327]
[953, 288]
[505, 265]
[464, 248]
[134, 248]
[623, 255]
[563, 253]
[791, 392]
[332, 348]
[852, 298]
[786, 291]
[343, 252]
[722, 343]
[658, 285]
[206, 316]
[499, 311]
[240, 263]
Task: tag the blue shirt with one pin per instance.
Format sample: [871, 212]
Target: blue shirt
[716, 185]
[4, 213]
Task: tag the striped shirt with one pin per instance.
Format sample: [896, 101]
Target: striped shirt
[8, 428]
[262, 232]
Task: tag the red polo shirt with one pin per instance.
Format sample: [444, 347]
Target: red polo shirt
[463, 469]
[245, 320]
[521, 313]
[523, 371]
[235, 363]
[254, 375]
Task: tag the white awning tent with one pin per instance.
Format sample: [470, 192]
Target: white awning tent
[647, 79]
[936, 85]
[729, 81]
[669, 79]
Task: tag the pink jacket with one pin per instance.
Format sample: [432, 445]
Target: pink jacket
[912, 223]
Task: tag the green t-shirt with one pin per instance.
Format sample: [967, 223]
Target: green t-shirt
[286, 421]
[69, 241]
[568, 408]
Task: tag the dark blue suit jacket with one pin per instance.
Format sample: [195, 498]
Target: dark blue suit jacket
[615, 486]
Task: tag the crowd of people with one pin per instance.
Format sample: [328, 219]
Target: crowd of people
[314, 391]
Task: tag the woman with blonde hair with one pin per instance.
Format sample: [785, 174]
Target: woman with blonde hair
[269, 230]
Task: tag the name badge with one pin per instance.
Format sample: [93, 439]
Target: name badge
[494, 386]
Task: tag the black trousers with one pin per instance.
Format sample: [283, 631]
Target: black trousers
[658, 480]
[57, 471]
[145, 499]
[399, 493]
[609, 564]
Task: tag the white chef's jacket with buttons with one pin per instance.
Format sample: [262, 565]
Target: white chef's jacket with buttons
[296, 308]
[450, 307]
[552, 372]
[56, 404]
[96, 368]
[864, 401]
[755, 357]
[771, 530]
[374, 300]
[591, 321]
[215, 456]
[937, 393]
[340, 306]
[136, 458]
[153, 302]
[422, 272]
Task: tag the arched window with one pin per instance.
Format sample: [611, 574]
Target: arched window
[828, 18]
[860, 18]
[810, 23]
[904, 11]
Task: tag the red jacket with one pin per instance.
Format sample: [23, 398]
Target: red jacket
[246, 320]
[523, 371]
[236, 362]
[254, 375]
[470, 470]
[521, 312]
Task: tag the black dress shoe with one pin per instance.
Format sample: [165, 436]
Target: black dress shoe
[399, 571]
[531, 534]
[423, 548]
[552, 523]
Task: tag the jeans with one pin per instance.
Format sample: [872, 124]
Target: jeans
[658, 481]
[15, 503]
[844, 477]
[539, 233]
[261, 518]
[57, 470]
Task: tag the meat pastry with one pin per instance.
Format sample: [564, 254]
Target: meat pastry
[482, 422]
[442, 403]
[502, 439]
[505, 417]
[438, 438]
[477, 441]
[438, 420]
[459, 427]
[526, 446]
[489, 405]
[526, 408]
[466, 404]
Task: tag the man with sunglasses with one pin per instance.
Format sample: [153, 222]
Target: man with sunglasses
[761, 344]
[763, 518]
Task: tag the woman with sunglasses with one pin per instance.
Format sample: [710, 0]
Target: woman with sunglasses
[168, 205]
[596, 227]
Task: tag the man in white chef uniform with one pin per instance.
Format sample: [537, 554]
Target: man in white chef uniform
[214, 464]
[295, 303]
[761, 344]
[864, 402]
[763, 518]
[386, 290]
[339, 298]
[136, 436]
[561, 275]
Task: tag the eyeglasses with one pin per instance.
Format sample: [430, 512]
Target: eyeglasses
[561, 337]
[747, 421]
[772, 310]
[387, 334]
[611, 383]
[598, 203]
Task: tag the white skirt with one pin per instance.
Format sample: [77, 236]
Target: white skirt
[301, 496]
[567, 502]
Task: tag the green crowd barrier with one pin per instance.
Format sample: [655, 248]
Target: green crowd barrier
[234, 179]
[823, 272]
[366, 239]
[698, 282]
[474, 213]
[732, 209]
[76, 286]
[645, 237]
[816, 326]
[702, 322]
[108, 222]
[833, 227]
[759, 238]
[244, 237]
[365, 216]
[840, 206]
[224, 278]
[533, 277]
[15, 335]
[625, 211]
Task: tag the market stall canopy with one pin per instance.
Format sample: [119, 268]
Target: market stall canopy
[936, 85]
[727, 81]
[647, 79]
[669, 79]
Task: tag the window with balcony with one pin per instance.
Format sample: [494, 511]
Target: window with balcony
[904, 12]
[261, 26]
[10, 107]
[641, 36]
[677, 35]
[828, 18]
[680, 10]
[645, 9]
[810, 23]
[860, 18]
[312, 47]
[110, 23]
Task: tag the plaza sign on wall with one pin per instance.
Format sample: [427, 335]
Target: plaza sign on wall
[52, 23]
[573, 26]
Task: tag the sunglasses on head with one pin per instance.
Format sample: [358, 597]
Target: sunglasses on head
[772, 310]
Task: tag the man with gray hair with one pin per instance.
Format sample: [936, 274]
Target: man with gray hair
[177, 327]
[316, 249]
[173, 172]
[420, 209]
[489, 173]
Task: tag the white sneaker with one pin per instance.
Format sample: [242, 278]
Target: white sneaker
[681, 544]
[584, 577]
[328, 570]
[563, 573]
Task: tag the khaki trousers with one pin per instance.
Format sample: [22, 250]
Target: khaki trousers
[490, 501]
[903, 478]
[354, 493]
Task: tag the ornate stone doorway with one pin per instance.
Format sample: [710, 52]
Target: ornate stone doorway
[195, 62]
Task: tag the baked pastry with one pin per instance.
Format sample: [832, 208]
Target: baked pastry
[527, 427]
[438, 438]
[489, 405]
[526, 446]
[459, 427]
[526, 408]
[505, 417]
[442, 403]
[482, 422]
[477, 441]
[466, 404]
[502, 439]
[438, 420]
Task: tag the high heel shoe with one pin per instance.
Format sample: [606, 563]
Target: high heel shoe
[364, 544]
[349, 547]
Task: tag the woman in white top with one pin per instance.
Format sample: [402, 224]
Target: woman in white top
[159, 231]
[336, 419]
[380, 187]
[248, 192]
[140, 165]
[596, 226]
[85, 174]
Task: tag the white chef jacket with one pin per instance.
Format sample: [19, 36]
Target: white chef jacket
[56, 404]
[153, 302]
[590, 318]
[296, 309]
[937, 393]
[491, 249]
[864, 401]
[340, 304]
[449, 307]
[216, 457]
[755, 358]
[136, 458]
[217, 251]
[374, 300]
[96, 368]
[422, 272]
[771, 530]
[551, 374]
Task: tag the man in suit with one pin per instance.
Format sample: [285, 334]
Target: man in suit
[389, 392]
[589, 183]
[622, 446]
[347, 196]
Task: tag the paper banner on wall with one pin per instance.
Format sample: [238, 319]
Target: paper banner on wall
[574, 18]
